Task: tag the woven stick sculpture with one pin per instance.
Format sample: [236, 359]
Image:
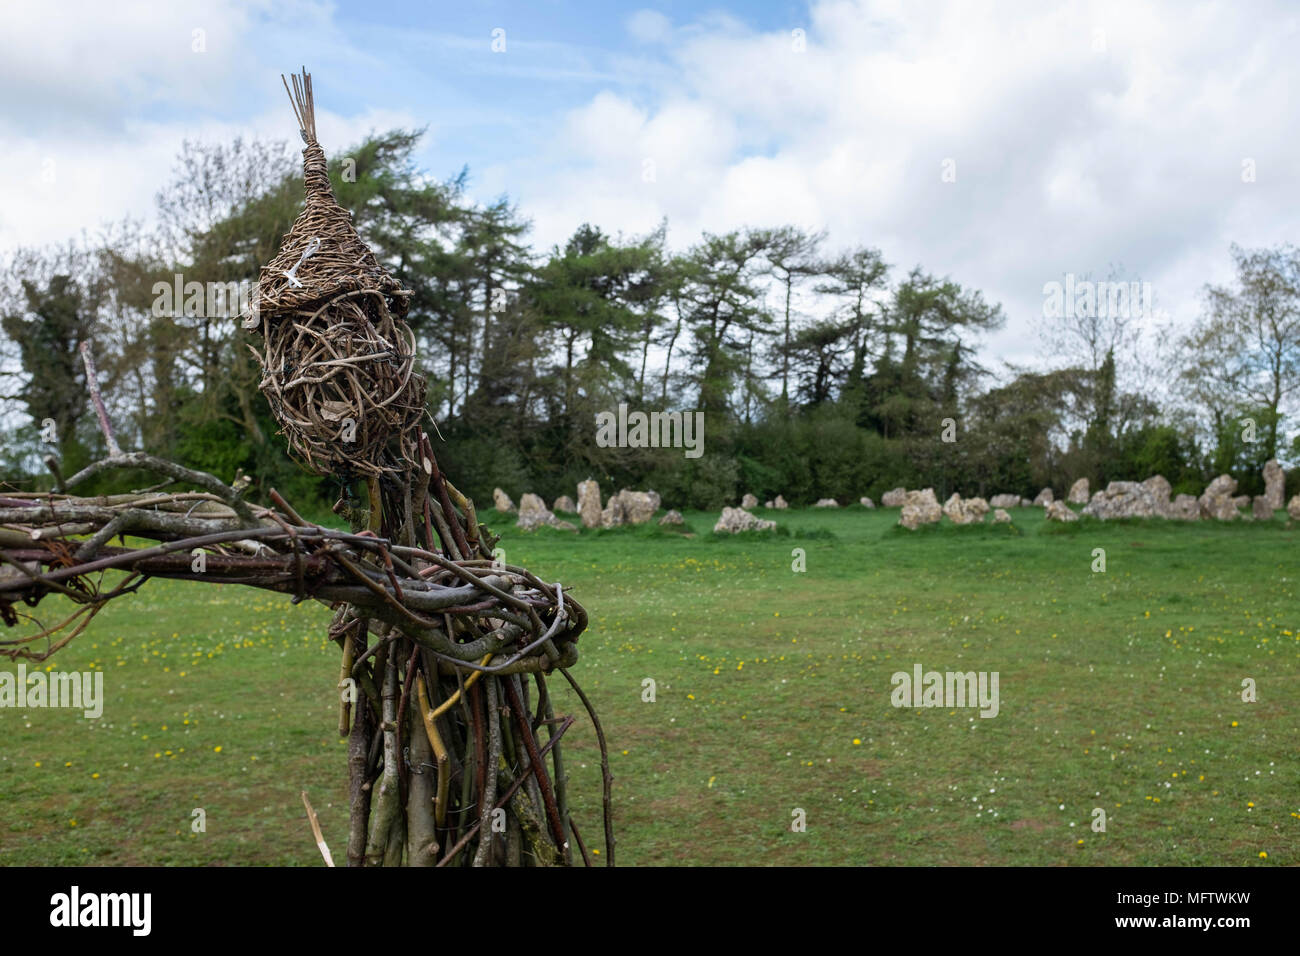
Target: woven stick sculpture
[445, 651]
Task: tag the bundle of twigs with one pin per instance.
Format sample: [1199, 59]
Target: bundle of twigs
[445, 650]
[448, 650]
[337, 359]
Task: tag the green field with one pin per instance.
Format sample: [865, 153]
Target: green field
[1119, 690]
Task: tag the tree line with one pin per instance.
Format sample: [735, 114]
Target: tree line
[819, 371]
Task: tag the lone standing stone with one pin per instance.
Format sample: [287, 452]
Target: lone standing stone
[1260, 509]
[920, 507]
[1001, 517]
[895, 498]
[1293, 508]
[866, 502]
[780, 503]
[1274, 483]
[501, 501]
[1217, 501]
[1078, 492]
[564, 503]
[533, 513]
[749, 501]
[1005, 501]
[735, 520]
[1044, 498]
[826, 503]
[965, 510]
[589, 503]
[1060, 511]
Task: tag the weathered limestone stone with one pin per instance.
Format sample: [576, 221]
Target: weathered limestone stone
[920, 507]
[629, 507]
[1078, 492]
[1044, 497]
[564, 503]
[780, 503]
[673, 517]
[1060, 511]
[769, 504]
[1274, 483]
[501, 501]
[735, 520]
[1217, 501]
[1001, 517]
[589, 503]
[895, 498]
[1004, 501]
[1185, 508]
[965, 510]
[1125, 499]
[1026, 503]
[1293, 508]
[866, 502]
[749, 501]
[533, 513]
[826, 503]
[1159, 489]
[1261, 509]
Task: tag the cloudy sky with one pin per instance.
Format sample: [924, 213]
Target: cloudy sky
[1076, 137]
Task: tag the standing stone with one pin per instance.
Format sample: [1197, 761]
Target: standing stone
[629, 507]
[769, 504]
[589, 503]
[1026, 503]
[965, 510]
[533, 513]
[826, 503]
[749, 501]
[895, 498]
[501, 501]
[1001, 517]
[735, 520]
[1274, 483]
[1293, 508]
[1078, 492]
[920, 507]
[1241, 501]
[673, 517]
[1158, 487]
[564, 503]
[866, 502]
[1044, 498]
[1217, 502]
[1261, 509]
[780, 503]
[1128, 499]
[1185, 508]
[1004, 501]
[1060, 511]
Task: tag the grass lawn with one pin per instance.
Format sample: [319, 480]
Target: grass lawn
[1119, 690]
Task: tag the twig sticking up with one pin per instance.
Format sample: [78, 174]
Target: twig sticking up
[304, 105]
[92, 383]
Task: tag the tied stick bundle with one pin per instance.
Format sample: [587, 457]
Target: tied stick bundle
[454, 742]
[338, 361]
